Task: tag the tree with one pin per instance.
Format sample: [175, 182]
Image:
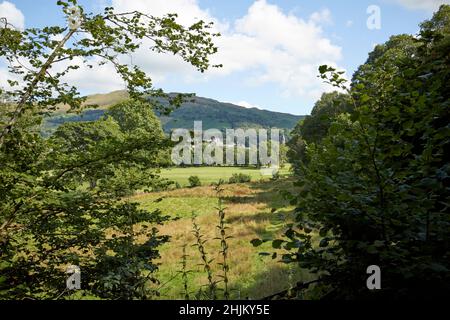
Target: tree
[104, 36]
[48, 219]
[315, 127]
[376, 190]
[129, 127]
[90, 139]
[138, 121]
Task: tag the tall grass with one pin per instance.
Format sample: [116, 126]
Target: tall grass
[223, 239]
[184, 273]
[205, 260]
[248, 215]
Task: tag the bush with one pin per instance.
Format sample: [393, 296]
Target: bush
[194, 181]
[376, 187]
[239, 178]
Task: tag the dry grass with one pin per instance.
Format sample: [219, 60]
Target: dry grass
[248, 216]
[204, 191]
[102, 100]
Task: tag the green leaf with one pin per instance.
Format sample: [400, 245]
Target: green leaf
[256, 242]
[323, 243]
[276, 244]
[323, 69]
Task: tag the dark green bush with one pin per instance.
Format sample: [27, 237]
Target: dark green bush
[375, 189]
[194, 181]
[239, 178]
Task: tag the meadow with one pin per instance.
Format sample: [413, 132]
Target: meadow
[210, 175]
[253, 210]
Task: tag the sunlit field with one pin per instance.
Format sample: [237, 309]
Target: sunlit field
[253, 210]
[210, 175]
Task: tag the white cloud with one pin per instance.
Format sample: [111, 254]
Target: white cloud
[268, 45]
[265, 45]
[279, 48]
[13, 15]
[99, 79]
[349, 23]
[429, 5]
[188, 10]
[323, 17]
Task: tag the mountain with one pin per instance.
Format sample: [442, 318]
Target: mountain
[220, 115]
[212, 113]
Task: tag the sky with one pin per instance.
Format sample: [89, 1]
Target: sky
[270, 49]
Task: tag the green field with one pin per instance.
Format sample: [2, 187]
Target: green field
[253, 210]
[210, 175]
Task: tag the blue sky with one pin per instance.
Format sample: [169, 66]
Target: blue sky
[270, 48]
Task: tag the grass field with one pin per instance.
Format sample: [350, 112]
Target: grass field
[248, 216]
[209, 175]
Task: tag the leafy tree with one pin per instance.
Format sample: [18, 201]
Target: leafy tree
[48, 219]
[315, 127]
[131, 125]
[88, 140]
[296, 145]
[284, 149]
[376, 189]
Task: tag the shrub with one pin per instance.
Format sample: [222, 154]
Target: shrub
[194, 181]
[239, 178]
[376, 187]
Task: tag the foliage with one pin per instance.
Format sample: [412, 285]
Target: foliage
[275, 176]
[211, 293]
[376, 188]
[206, 261]
[221, 226]
[184, 273]
[315, 127]
[130, 128]
[240, 178]
[296, 153]
[48, 218]
[194, 181]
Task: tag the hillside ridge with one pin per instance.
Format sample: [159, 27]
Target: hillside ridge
[212, 113]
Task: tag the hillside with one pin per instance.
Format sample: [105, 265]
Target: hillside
[212, 113]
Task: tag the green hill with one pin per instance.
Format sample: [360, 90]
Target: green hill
[220, 115]
[212, 113]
